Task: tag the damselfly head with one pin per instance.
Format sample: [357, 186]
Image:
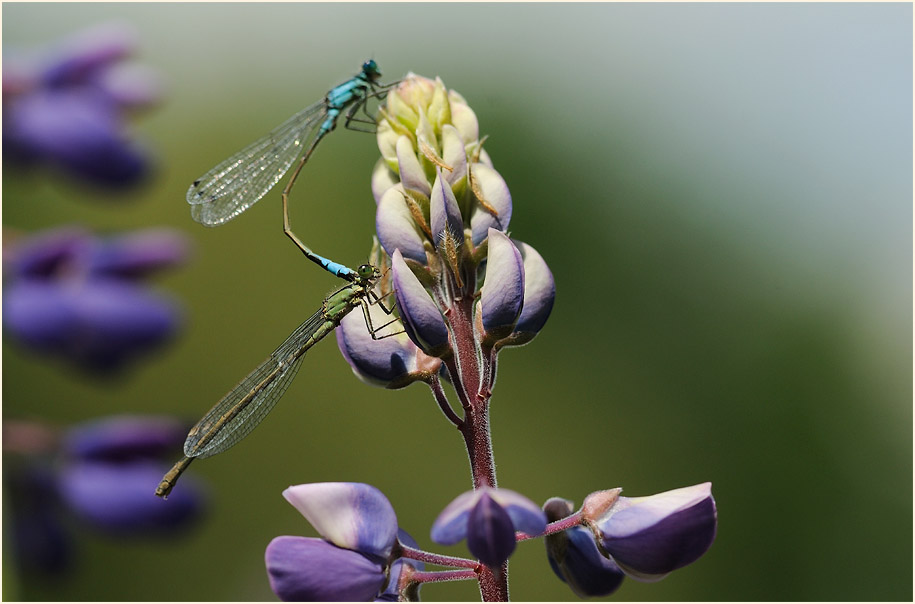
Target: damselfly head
[370, 70]
[367, 271]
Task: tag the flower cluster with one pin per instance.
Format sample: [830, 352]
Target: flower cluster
[362, 554]
[442, 217]
[99, 473]
[70, 293]
[68, 106]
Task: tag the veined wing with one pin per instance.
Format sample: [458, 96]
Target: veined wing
[246, 405]
[240, 181]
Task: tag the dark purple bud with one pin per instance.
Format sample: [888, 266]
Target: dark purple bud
[487, 528]
[124, 438]
[575, 559]
[139, 254]
[116, 497]
[305, 569]
[649, 537]
[502, 294]
[490, 533]
[421, 317]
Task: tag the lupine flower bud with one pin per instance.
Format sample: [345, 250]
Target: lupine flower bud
[421, 317]
[539, 295]
[488, 519]
[502, 295]
[649, 537]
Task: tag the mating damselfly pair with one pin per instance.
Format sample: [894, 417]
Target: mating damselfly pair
[232, 187]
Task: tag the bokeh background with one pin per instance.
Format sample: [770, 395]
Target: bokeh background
[723, 193]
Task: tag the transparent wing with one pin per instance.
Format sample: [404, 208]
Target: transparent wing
[246, 405]
[240, 181]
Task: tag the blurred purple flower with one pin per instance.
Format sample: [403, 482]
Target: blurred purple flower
[488, 518]
[67, 107]
[358, 531]
[103, 474]
[72, 294]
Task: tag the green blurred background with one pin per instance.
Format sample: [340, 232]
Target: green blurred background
[723, 193]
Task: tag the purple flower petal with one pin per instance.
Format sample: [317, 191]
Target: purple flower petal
[396, 227]
[502, 294]
[140, 253]
[444, 214]
[496, 194]
[490, 533]
[525, 514]
[651, 536]
[351, 515]
[302, 569]
[421, 317]
[117, 497]
[125, 437]
[451, 525]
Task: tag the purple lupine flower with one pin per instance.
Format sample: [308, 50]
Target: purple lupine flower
[111, 464]
[99, 473]
[648, 537]
[575, 558]
[68, 107]
[71, 294]
[358, 531]
[488, 518]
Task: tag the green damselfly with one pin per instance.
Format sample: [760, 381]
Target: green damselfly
[248, 403]
[238, 182]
